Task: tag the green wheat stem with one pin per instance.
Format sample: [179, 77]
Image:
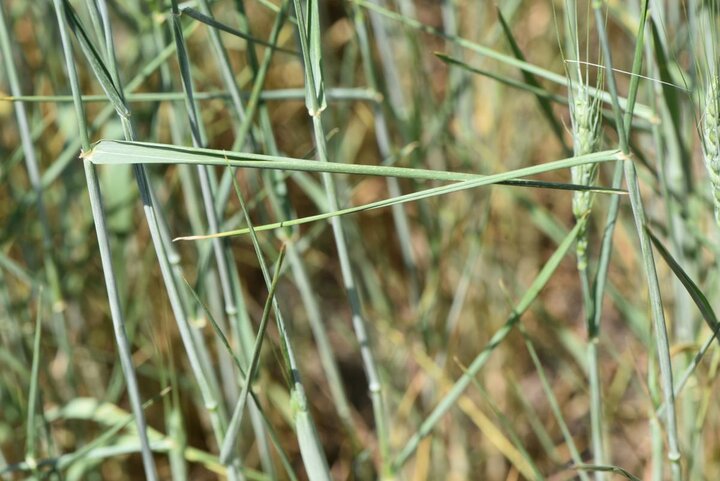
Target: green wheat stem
[309, 34]
[382, 135]
[660, 327]
[221, 250]
[311, 450]
[98, 214]
[215, 410]
[333, 94]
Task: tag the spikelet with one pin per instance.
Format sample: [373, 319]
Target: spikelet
[584, 115]
[711, 141]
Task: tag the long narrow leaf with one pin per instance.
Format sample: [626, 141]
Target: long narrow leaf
[420, 194]
[530, 79]
[117, 152]
[235, 422]
[96, 63]
[610, 469]
[214, 23]
[696, 294]
[32, 424]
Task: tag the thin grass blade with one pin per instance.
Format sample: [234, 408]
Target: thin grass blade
[233, 430]
[214, 23]
[32, 423]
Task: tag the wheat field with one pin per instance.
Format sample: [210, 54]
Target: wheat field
[359, 240]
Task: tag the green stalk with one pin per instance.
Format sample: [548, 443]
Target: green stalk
[115, 95]
[243, 379]
[191, 204]
[382, 135]
[675, 188]
[220, 248]
[228, 448]
[245, 127]
[203, 174]
[396, 98]
[278, 196]
[613, 210]
[116, 314]
[309, 34]
[311, 449]
[223, 63]
[349, 94]
[660, 328]
[585, 118]
[31, 425]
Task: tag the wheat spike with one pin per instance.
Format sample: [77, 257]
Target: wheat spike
[711, 141]
[585, 122]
